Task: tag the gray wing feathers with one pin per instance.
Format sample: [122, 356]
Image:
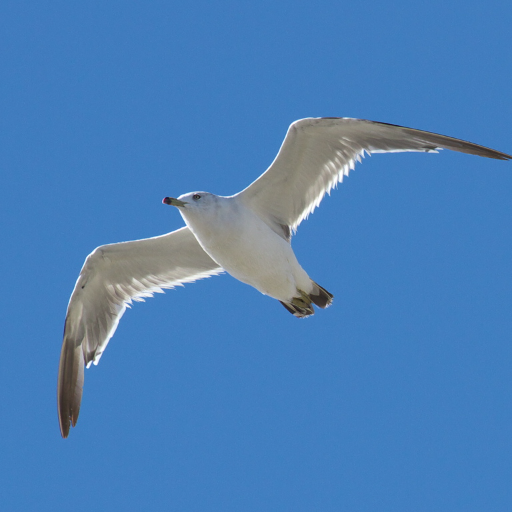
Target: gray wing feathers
[70, 385]
[112, 277]
[318, 152]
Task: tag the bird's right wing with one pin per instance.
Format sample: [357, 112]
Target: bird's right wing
[317, 153]
[112, 277]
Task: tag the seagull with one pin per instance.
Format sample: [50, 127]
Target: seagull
[248, 235]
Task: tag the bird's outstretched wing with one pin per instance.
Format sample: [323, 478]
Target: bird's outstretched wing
[112, 277]
[318, 152]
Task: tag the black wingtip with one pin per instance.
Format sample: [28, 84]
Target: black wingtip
[70, 385]
[453, 144]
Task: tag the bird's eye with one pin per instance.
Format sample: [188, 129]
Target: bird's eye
[195, 197]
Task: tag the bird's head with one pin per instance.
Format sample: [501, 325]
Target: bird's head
[193, 202]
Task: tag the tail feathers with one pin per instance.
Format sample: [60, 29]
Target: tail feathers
[298, 311]
[320, 296]
[301, 306]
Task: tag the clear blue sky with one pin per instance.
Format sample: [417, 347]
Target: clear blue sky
[212, 396]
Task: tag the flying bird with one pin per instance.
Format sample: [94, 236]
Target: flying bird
[247, 235]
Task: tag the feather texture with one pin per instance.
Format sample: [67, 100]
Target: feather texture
[318, 152]
[112, 277]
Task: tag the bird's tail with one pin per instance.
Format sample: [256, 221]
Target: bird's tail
[320, 296]
[302, 305]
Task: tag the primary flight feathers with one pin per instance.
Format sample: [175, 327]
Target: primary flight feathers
[314, 157]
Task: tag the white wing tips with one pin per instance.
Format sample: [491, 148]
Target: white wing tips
[70, 385]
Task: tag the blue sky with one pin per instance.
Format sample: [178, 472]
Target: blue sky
[213, 397]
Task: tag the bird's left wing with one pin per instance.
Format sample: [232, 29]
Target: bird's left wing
[112, 277]
[318, 152]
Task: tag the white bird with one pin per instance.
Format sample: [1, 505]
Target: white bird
[247, 235]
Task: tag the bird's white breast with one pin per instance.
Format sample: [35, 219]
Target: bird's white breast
[248, 249]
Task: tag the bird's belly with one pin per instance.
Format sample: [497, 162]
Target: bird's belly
[258, 257]
[269, 277]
